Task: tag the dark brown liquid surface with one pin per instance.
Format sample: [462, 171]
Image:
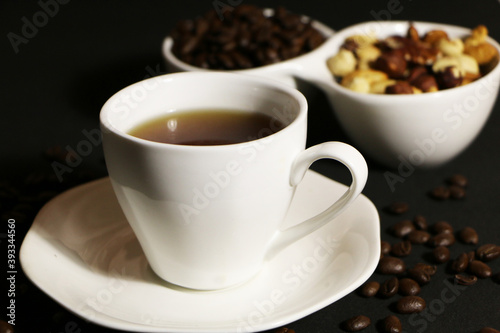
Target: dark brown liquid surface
[208, 127]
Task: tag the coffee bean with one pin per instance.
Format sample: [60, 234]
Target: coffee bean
[441, 254]
[460, 264]
[458, 180]
[389, 287]
[465, 280]
[418, 237]
[369, 289]
[5, 327]
[408, 287]
[442, 239]
[410, 304]
[391, 324]
[420, 222]
[356, 323]
[419, 275]
[457, 192]
[468, 235]
[284, 330]
[385, 247]
[398, 208]
[440, 193]
[429, 269]
[401, 249]
[403, 228]
[442, 226]
[488, 330]
[391, 265]
[471, 255]
[488, 252]
[479, 269]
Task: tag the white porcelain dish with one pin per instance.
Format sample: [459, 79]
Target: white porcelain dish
[423, 130]
[81, 252]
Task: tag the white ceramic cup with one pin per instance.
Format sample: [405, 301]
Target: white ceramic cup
[207, 217]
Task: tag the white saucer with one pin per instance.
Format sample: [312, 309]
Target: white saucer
[82, 253]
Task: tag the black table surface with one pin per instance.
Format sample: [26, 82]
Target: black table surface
[57, 74]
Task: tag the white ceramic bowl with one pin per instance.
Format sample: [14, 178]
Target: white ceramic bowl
[399, 131]
[407, 131]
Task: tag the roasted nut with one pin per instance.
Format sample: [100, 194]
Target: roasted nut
[434, 36]
[422, 54]
[415, 72]
[449, 77]
[478, 36]
[378, 87]
[412, 34]
[392, 63]
[360, 80]
[343, 63]
[362, 40]
[400, 88]
[464, 63]
[483, 53]
[452, 47]
[368, 52]
[426, 83]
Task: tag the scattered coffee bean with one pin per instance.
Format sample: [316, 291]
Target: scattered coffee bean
[369, 289]
[468, 236]
[442, 239]
[471, 255]
[418, 236]
[460, 264]
[5, 327]
[441, 254]
[488, 330]
[284, 330]
[488, 252]
[398, 208]
[419, 275]
[392, 324]
[440, 193]
[389, 287]
[429, 269]
[479, 269]
[465, 280]
[356, 323]
[408, 287]
[403, 228]
[420, 222]
[410, 304]
[391, 265]
[458, 180]
[441, 227]
[457, 192]
[385, 247]
[401, 249]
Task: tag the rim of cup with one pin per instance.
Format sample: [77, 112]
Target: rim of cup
[229, 79]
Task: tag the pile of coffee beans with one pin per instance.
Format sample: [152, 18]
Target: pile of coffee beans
[244, 37]
[407, 282]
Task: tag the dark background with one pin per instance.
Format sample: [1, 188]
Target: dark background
[53, 87]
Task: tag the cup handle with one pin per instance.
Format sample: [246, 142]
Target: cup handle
[341, 152]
